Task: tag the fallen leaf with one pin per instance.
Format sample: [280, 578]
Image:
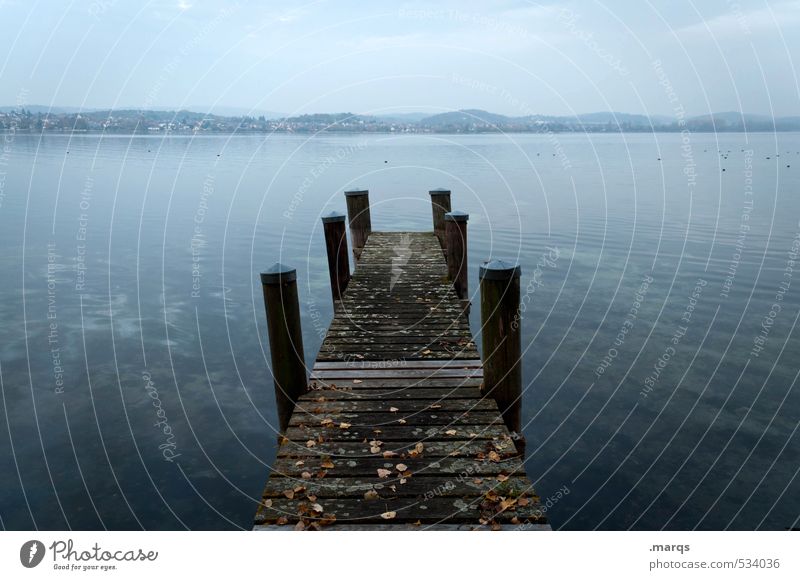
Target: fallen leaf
[393, 409]
[389, 515]
[383, 473]
[450, 432]
[523, 501]
[371, 495]
[327, 464]
[417, 523]
[288, 493]
[507, 503]
[357, 381]
[374, 449]
[403, 480]
[305, 475]
[317, 508]
[401, 467]
[515, 521]
[312, 498]
[267, 503]
[502, 477]
[310, 443]
[402, 421]
[300, 527]
[321, 473]
[299, 463]
[283, 440]
[477, 481]
[282, 521]
[494, 456]
[344, 425]
[436, 406]
[426, 351]
[326, 422]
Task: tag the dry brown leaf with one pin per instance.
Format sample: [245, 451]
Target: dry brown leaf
[317, 508]
[374, 449]
[393, 409]
[388, 454]
[494, 456]
[344, 425]
[523, 501]
[305, 475]
[357, 381]
[401, 467]
[310, 443]
[426, 351]
[282, 521]
[283, 440]
[321, 473]
[389, 515]
[326, 422]
[299, 463]
[402, 421]
[417, 523]
[450, 432]
[383, 473]
[300, 527]
[288, 493]
[371, 495]
[477, 481]
[311, 498]
[327, 464]
[267, 503]
[502, 477]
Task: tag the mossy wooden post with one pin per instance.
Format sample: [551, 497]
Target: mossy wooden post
[285, 338]
[440, 205]
[500, 337]
[456, 251]
[358, 217]
[338, 258]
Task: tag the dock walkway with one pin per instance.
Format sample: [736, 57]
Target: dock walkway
[394, 431]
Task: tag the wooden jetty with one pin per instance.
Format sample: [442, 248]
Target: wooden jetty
[399, 424]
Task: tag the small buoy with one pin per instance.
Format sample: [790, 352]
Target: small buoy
[386, 161]
[723, 169]
[767, 157]
[659, 158]
[218, 154]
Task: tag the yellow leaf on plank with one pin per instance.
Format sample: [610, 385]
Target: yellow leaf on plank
[389, 515]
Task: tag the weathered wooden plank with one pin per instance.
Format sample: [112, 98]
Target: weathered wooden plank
[315, 407]
[396, 432]
[400, 449]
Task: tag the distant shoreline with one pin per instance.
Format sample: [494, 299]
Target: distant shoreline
[397, 133]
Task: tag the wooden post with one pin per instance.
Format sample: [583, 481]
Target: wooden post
[285, 338]
[500, 337]
[338, 258]
[440, 204]
[456, 251]
[358, 216]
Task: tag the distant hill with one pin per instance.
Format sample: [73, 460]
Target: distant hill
[38, 118]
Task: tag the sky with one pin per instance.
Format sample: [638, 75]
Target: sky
[380, 57]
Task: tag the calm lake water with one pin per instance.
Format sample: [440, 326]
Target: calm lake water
[660, 351]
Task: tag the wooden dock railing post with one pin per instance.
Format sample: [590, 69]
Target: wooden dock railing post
[456, 251]
[281, 302]
[358, 216]
[440, 205]
[500, 337]
[338, 258]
